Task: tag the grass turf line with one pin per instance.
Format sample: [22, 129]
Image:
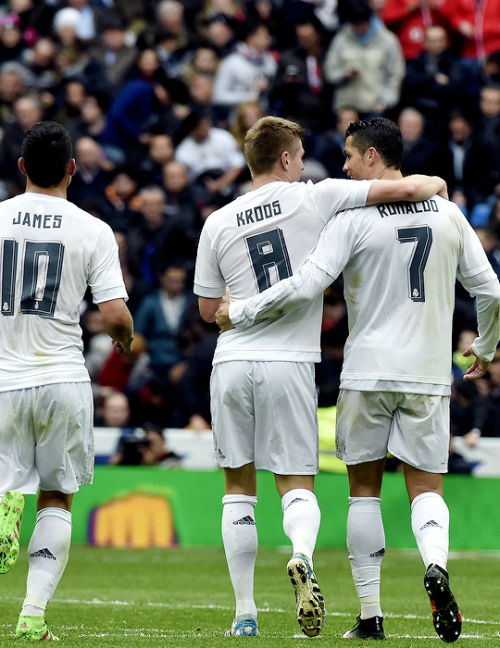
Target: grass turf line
[183, 597]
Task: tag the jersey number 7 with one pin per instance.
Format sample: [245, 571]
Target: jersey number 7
[422, 237]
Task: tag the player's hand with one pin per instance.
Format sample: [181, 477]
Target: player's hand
[222, 318]
[476, 370]
[443, 192]
[123, 347]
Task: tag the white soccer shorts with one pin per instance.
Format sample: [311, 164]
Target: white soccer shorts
[414, 428]
[46, 438]
[265, 412]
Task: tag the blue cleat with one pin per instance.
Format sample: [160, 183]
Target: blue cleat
[247, 627]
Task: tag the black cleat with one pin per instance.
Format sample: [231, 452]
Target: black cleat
[371, 628]
[445, 613]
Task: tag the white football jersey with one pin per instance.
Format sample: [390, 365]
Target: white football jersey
[259, 239]
[50, 252]
[400, 262]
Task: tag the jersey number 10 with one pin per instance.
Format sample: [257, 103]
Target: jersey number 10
[41, 268]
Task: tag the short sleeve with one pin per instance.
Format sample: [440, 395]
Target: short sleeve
[105, 275]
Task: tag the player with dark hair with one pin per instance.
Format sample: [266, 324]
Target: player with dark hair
[400, 263]
[51, 252]
[263, 394]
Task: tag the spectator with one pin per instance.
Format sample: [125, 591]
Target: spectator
[365, 64]
[211, 155]
[469, 164]
[329, 150]
[245, 117]
[181, 199]
[114, 411]
[11, 88]
[248, 73]
[160, 151]
[27, 111]
[490, 246]
[144, 447]
[113, 53]
[489, 121]
[158, 241]
[92, 171]
[137, 102]
[433, 80]
[169, 19]
[40, 63]
[92, 120]
[408, 18]
[65, 26]
[12, 45]
[204, 61]
[159, 321]
[299, 91]
[86, 18]
[201, 90]
[219, 33]
[136, 288]
[487, 27]
[486, 412]
[69, 103]
[421, 154]
[36, 18]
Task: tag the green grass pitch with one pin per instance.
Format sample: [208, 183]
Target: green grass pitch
[183, 597]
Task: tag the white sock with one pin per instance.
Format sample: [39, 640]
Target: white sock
[301, 519]
[366, 547]
[48, 553]
[239, 535]
[430, 521]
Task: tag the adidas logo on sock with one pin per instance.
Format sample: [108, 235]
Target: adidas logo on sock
[43, 553]
[378, 554]
[431, 523]
[297, 499]
[245, 520]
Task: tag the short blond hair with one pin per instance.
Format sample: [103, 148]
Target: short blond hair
[266, 140]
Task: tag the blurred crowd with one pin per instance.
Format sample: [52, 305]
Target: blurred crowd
[158, 95]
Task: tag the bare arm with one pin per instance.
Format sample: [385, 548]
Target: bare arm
[413, 187]
[118, 324]
[208, 307]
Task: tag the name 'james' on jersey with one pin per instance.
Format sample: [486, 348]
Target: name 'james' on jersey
[50, 252]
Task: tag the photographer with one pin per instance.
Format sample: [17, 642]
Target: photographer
[144, 447]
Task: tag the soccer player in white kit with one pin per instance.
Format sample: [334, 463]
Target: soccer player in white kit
[51, 252]
[263, 396]
[400, 262]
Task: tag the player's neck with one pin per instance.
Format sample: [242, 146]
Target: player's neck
[266, 178]
[388, 174]
[57, 192]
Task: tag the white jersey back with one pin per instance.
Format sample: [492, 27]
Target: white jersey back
[259, 239]
[50, 252]
[401, 263]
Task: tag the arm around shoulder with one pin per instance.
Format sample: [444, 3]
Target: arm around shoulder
[118, 324]
[413, 187]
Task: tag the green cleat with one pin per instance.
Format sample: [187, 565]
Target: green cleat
[11, 514]
[34, 628]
